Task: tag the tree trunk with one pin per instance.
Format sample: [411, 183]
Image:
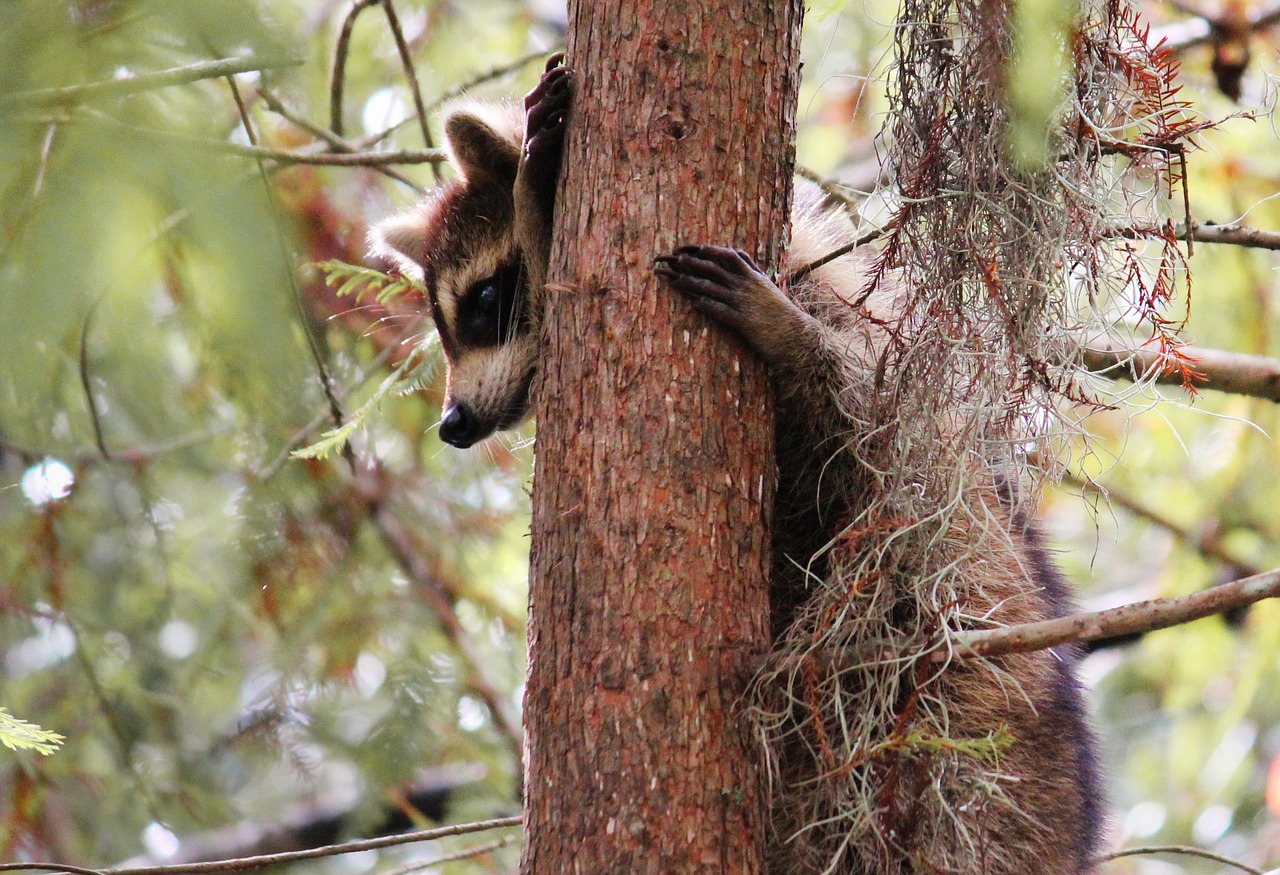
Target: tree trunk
[655, 465]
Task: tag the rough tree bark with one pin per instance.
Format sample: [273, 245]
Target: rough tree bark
[654, 473]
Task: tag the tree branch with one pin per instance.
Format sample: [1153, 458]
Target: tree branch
[1180, 849]
[1235, 234]
[411, 75]
[338, 80]
[1144, 616]
[1208, 232]
[336, 143]
[284, 156]
[463, 854]
[1241, 374]
[322, 822]
[1199, 29]
[47, 97]
[260, 862]
[351, 159]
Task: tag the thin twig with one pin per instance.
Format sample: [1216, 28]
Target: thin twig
[452, 93]
[457, 91]
[493, 73]
[301, 435]
[46, 149]
[872, 235]
[353, 159]
[262, 861]
[1180, 849]
[1144, 616]
[411, 74]
[94, 415]
[188, 73]
[317, 355]
[1206, 546]
[325, 819]
[833, 189]
[1236, 235]
[283, 156]
[125, 455]
[1207, 232]
[338, 144]
[338, 81]
[463, 854]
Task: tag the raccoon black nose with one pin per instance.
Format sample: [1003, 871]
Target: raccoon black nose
[458, 426]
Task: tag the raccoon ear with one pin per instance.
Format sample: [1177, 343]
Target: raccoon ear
[401, 239]
[480, 150]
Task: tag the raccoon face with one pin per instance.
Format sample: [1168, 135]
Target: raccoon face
[489, 346]
[461, 243]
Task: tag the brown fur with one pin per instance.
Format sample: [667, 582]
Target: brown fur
[980, 765]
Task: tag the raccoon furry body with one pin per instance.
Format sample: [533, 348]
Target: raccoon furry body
[1027, 801]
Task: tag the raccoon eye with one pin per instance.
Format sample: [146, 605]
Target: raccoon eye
[488, 299]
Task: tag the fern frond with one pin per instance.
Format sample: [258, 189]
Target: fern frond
[17, 734]
[408, 377]
[357, 280]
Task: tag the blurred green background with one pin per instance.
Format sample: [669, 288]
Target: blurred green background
[227, 635]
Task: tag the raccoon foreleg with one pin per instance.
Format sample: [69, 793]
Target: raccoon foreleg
[726, 285]
[546, 110]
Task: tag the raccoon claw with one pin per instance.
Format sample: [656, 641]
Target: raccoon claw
[726, 285]
[546, 108]
[716, 279]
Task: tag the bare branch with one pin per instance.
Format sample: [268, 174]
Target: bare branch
[94, 415]
[495, 73]
[1180, 849]
[1207, 232]
[1237, 235]
[336, 143]
[68, 94]
[1200, 29]
[834, 190]
[323, 821]
[1251, 375]
[463, 854]
[260, 862]
[353, 159]
[313, 343]
[282, 156]
[410, 74]
[338, 81]
[1145, 616]
[462, 88]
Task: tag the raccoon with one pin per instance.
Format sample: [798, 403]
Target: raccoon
[480, 244]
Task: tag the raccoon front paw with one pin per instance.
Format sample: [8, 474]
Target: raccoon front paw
[546, 109]
[726, 285]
